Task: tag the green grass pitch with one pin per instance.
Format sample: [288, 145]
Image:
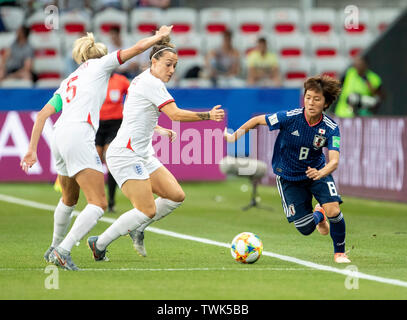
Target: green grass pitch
[183, 269]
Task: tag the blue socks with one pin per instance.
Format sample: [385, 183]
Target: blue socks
[337, 232]
[318, 217]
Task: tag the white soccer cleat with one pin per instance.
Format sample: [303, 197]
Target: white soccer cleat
[341, 257]
[138, 242]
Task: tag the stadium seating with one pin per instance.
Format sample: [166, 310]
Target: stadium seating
[195, 83]
[36, 22]
[333, 67]
[250, 21]
[48, 83]
[295, 71]
[355, 44]
[144, 21]
[289, 46]
[6, 40]
[283, 21]
[354, 21]
[16, 83]
[50, 68]
[184, 20]
[12, 17]
[215, 20]
[46, 45]
[108, 18]
[324, 36]
[381, 18]
[320, 21]
[325, 46]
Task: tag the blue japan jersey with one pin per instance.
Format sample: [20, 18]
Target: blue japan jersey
[299, 145]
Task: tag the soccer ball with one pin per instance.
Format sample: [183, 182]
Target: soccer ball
[246, 247]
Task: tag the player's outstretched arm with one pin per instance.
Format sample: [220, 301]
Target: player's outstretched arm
[144, 44]
[177, 114]
[251, 124]
[31, 156]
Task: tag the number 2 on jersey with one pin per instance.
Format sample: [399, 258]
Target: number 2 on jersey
[71, 88]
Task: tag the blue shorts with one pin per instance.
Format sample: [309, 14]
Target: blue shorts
[296, 196]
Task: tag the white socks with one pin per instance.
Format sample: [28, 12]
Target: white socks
[163, 208]
[127, 222]
[85, 221]
[62, 220]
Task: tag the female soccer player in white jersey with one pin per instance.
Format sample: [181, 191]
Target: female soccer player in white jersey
[80, 96]
[130, 156]
[299, 163]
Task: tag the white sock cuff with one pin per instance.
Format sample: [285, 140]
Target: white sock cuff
[64, 207]
[97, 209]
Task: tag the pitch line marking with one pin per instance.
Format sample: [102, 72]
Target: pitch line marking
[345, 272]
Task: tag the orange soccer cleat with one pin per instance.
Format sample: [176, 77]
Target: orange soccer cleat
[341, 257]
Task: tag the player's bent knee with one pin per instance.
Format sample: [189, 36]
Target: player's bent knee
[307, 229]
[179, 196]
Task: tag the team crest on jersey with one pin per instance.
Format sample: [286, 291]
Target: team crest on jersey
[319, 141]
[291, 209]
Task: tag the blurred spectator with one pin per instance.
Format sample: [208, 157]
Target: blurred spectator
[162, 4]
[263, 68]
[223, 62]
[361, 91]
[130, 68]
[17, 60]
[103, 4]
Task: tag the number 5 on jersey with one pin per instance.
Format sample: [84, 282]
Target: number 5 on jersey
[71, 88]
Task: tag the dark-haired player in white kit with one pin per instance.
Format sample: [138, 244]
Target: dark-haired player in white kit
[300, 165]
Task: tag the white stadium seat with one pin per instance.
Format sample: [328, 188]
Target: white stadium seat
[74, 23]
[36, 22]
[6, 40]
[46, 45]
[188, 45]
[325, 46]
[283, 21]
[245, 42]
[195, 83]
[16, 83]
[334, 67]
[145, 21]
[382, 18]
[108, 18]
[215, 20]
[295, 71]
[355, 44]
[355, 21]
[320, 21]
[186, 64]
[250, 21]
[289, 46]
[51, 68]
[48, 83]
[12, 17]
[184, 20]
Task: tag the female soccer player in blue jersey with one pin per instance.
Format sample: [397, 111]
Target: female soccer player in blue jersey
[300, 165]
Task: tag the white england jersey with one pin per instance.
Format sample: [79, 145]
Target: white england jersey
[84, 90]
[145, 97]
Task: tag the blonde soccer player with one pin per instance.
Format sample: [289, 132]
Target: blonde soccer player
[80, 97]
[130, 155]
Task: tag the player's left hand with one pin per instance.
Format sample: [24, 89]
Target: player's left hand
[167, 132]
[314, 174]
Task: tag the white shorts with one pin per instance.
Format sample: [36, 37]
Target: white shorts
[73, 147]
[124, 165]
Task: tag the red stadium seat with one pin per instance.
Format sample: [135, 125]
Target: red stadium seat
[355, 44]
[145, 20]
[103, 21]
[184, 20]
[295, 71]
[290, 46]
[284, 21]
[215, 20]
[320, 21]
[382, 18]
[333, 67]
[250, 21]
[325, 46]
